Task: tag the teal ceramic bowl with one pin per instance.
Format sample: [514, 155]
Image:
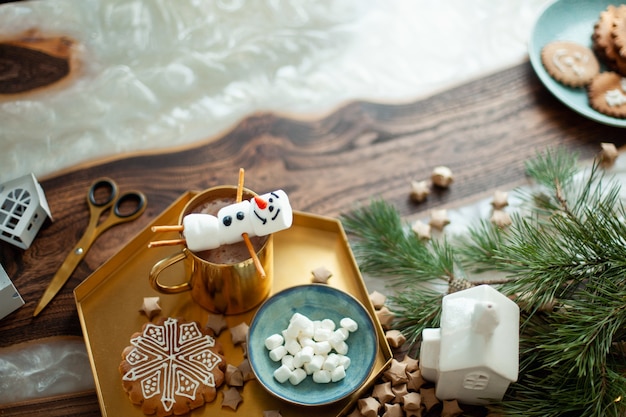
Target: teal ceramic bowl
[570, 20]
[317, 302]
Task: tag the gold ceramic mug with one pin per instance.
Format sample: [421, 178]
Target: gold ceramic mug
[222, 280]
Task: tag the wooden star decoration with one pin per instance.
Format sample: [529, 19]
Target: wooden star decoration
[421, 229]
[368, 406]
[378, 299]
[500, 200]
[412, 401]
[451, 409]
[383, 393]
[608, 154]
[231, 398]
[393, 410]
[150, 307]
[239, 333]
[400, 391]
[429, 399]
[412, 364]
[439, 218]
[416, 380]
[217, 323]
[442, 176]
[419, 191]
[501, 218]
[385, 317]
[321, 275]
[396, 373]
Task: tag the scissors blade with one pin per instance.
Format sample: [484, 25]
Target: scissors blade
[62, 275]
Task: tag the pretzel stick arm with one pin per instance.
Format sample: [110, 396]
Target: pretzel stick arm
[172, 242]
[172, 228]
[257, 263]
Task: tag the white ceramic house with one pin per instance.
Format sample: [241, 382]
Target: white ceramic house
[474, 355]
[10, 299]
[23, 209]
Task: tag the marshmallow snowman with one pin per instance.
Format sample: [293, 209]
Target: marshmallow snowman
[259, 216]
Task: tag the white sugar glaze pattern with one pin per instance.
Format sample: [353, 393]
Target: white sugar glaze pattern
[172, 360]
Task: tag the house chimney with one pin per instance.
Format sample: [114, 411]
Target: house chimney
[485, 317]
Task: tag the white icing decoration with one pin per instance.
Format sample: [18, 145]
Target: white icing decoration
[615, 97]
[172, 360]
[562, 59]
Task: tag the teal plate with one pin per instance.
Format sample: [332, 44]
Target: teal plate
[570, 20]
[317, 302]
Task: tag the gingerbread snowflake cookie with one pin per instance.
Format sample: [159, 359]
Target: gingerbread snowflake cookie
[570, 63]
[607, 94]
[172, 367]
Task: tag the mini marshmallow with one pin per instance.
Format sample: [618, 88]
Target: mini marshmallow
[282, 373]
[321, 377]
[344, 361]
[322, 348]
[201, 232]
[306, 341]
[292, 346]
[291, 332]
[331, 362]
[278, 353]
[303, 356]
[274, 341]
[337, 374]
[328, 324]
[336, 339]
[287, 360]
[298, 375]
[341, 348]
[349, 324]
[300, 322]
[322, 334]
[342, 332]
[314, 365]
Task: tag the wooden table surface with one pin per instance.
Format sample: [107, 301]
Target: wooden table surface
[484, 131]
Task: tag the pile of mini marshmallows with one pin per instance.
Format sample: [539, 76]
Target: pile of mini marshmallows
[311, 347]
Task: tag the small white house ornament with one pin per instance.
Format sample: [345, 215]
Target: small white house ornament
[23, 209]
[474, 355]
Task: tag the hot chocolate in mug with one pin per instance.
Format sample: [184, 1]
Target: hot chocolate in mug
[223, 279]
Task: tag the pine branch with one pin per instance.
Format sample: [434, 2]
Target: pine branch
[566, 249]
[384, 246]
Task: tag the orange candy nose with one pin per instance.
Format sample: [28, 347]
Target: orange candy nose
[260, 202]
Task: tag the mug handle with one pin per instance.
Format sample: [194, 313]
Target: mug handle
[159, 267]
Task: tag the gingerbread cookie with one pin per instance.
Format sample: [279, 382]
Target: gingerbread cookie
[570, 63]
[605, 38]
[607, 94]
[172, 367]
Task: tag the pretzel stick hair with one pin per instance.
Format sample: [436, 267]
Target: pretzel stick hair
[246, 239]
[240, 185]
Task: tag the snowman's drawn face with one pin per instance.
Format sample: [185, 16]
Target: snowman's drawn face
[267, 207]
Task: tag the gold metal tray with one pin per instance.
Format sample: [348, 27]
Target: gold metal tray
[109, 300]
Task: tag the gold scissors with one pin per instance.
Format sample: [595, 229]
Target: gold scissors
[103, 195]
